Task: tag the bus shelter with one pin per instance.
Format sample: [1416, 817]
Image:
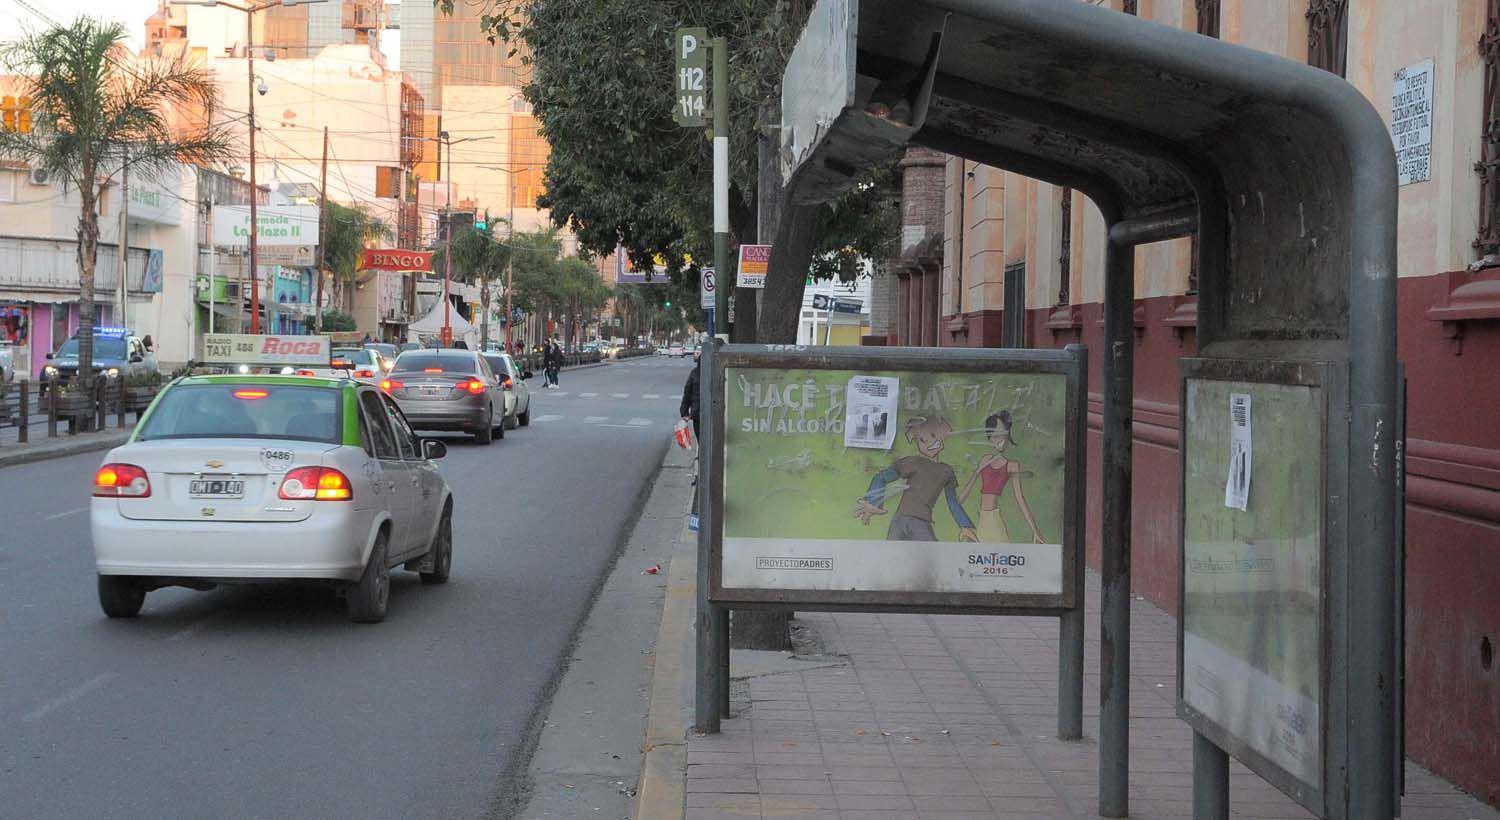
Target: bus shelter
[1291, 476]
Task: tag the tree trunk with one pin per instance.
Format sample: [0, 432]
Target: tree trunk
[791, 257]
[484, 316]
[88, 256]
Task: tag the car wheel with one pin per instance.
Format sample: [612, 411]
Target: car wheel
[121, 596]
[441, 551]
[524, 419]
[486, 432]
[512, 422]
[369, 596]
[500, 428]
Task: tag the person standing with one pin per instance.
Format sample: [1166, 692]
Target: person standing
[689, 408]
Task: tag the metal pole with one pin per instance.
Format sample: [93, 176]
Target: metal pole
[1210, 780]
[322, 234]
[254, 218]
[1114, 619]
[712, 628]
[510, 264]
[1070, 625]
[448, 252]
[213, 260]
[124, 244]
[720, 48]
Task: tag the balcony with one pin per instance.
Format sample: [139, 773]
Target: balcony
[51, 265]
[361, 15]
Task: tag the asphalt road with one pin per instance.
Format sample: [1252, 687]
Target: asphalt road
[265, 701]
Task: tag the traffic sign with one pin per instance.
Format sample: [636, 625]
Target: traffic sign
[845, 305]
[690, 46]
[820, 301]
[708, 289]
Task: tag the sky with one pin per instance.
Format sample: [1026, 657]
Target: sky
[18, 16]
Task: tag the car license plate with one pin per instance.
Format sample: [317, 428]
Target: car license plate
[216, 488]
[432, 392]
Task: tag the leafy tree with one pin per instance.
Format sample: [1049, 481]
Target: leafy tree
[620, 170]
[335, 321]
[350, 230]
[97, 113]
[477, 255]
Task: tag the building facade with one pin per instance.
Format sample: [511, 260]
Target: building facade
[1019, 262]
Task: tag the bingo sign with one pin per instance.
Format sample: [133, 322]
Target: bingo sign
[234, 348]
[755, 260]
[1411, 122]
[690, 46]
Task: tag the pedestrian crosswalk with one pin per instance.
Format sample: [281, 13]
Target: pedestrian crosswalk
[564, 394]
[600, 421]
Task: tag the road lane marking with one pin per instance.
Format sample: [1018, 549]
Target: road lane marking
[640, 422]
[595, 419]
[546, 418]
[650, 395]
[55, 516]
[561, 393]
[81, 691]
[622, 426]
[587, 395]
[620, 395]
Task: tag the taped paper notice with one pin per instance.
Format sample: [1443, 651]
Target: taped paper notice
[1237, 485]
[870, 415]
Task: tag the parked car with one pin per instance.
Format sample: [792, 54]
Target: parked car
[517, 394]
[232, 479]
[448, 389]
[117, 353]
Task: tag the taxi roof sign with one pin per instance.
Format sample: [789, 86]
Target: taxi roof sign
[234, 348]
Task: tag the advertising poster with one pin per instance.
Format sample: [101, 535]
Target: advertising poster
[755, 262]
[948, 482]
[1252, 580]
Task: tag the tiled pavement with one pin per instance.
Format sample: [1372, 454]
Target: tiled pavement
[954, 718]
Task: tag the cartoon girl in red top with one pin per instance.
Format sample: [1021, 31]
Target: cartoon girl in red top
[995, 473]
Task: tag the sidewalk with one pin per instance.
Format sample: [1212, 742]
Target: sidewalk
[40, 447]
[954, 718]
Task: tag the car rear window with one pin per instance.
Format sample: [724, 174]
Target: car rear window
[246, 411]
[415, 362]
[498, 365]
[360, 356]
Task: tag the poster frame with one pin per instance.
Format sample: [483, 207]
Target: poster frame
[1070, 362]
[1331, 380]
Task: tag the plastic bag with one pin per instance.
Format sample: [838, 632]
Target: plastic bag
[683, 433]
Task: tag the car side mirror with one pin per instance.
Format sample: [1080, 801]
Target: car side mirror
[136, 357]
[49, 355]
[432, 449]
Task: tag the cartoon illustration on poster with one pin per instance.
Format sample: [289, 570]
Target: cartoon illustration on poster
[967, 497]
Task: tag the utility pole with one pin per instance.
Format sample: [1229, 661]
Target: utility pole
[322, 234]
[448, 250]
[720, 50]
[254, 189]
[510, 265]
[124, 262]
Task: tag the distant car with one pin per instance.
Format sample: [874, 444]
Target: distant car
[450, 390]
[360, 364]
[663, 351]
[117, 353]
[389, 352]
[688, 350]
[676, 350]
[517, 394]
[231, 479]
[405, 346]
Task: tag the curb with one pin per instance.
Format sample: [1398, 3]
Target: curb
[89, 445]
[662, 791]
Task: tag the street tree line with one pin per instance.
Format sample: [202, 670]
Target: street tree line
[622, 172]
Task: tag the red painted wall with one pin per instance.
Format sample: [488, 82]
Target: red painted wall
[1453, 506]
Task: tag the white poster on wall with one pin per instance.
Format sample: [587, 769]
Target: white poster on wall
[1411, 122]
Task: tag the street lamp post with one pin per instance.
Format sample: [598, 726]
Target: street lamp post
[510, 257]
[444, 138]
[250, 11]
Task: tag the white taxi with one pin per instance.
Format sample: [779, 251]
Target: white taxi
[236, 478]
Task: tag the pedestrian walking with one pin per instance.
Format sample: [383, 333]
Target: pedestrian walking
[689, 408]
[552, 362]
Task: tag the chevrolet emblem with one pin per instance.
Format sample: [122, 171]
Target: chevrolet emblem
[207, 512]
[216, 464]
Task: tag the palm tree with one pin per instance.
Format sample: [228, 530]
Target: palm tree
[477, 254]
[349, 231]
[95, 114]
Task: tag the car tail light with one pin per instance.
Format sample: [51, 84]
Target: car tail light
[250, 395]
[364, 374]
[390, 384]
[121, 481]
[315, 484]
[306, 373]
[474, 386]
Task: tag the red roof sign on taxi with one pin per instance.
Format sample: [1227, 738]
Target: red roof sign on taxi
[395, 259]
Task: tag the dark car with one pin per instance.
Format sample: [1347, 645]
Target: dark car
[117, 353]
[449, 390]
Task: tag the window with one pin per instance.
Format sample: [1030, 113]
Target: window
[1208, 17]
[1131, 7]
[451, 364]
[245, 410]
[8, 186]
[1328, 34]
[378, 426]
[406, 440]
[1488, 166]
